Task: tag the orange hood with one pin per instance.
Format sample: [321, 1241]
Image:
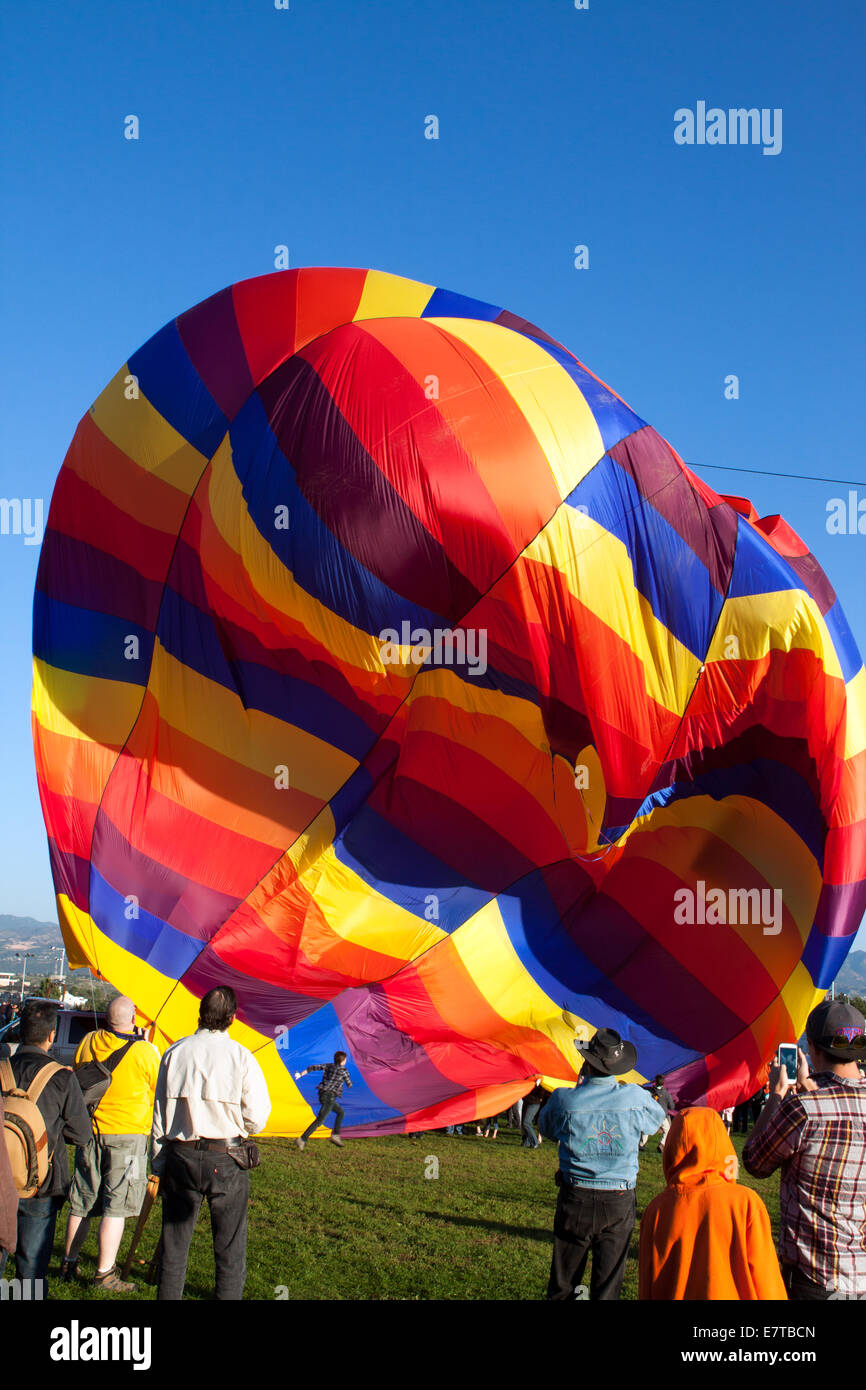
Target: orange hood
[698, 1150]
[705, 1237]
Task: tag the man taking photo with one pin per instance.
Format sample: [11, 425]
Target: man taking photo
[816, 1134]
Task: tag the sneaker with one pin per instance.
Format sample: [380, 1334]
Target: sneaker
[112, 1282]
[335, 1139]
[301, 1143]
[68, 1270]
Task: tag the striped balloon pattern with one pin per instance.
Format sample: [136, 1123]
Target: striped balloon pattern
[391, 670]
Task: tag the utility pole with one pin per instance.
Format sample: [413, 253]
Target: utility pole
[24, 956]
[62, 972]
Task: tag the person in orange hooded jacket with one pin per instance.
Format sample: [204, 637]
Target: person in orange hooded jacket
[705, 1236]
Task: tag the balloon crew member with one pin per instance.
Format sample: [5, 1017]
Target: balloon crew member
[111, 1171]
[529, 1115]
[211, 1095]
[54, 1115]
[660, 1093]
[334, 1078]
[598, 1125]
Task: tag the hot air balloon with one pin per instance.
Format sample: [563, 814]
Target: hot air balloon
[390, 669]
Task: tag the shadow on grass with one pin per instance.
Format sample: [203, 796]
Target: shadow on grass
[82, 1287]
[84, 1290]
[474, 1222]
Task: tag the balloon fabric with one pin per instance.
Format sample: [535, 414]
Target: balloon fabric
[390, 669]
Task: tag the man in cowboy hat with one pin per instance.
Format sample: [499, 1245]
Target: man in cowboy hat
[598, 1125]
[816, 1133]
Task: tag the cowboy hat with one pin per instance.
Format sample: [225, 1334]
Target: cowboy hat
[608, 1052]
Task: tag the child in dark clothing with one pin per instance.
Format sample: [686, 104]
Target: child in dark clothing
[330, 1088]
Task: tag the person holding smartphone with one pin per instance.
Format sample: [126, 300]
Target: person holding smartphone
[815, 1131]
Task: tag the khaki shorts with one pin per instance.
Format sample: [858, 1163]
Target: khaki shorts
[110, 1176]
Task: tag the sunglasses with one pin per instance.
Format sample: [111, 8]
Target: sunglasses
[842, 1040]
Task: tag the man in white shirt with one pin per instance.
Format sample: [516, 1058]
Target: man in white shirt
[210, 1094]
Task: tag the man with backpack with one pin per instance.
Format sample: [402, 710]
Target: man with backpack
[44, 1111]
[117, 1072]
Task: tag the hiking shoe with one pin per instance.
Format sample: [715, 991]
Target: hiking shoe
[113, 1282]
[335, 1139]
[301, 1143]
[68, 1270]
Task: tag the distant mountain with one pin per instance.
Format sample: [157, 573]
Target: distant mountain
[852, 977]
[26, 926]
[27, 934]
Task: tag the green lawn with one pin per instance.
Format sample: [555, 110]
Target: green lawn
[365, 1223]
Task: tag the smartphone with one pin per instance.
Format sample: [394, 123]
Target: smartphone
[788, 1059]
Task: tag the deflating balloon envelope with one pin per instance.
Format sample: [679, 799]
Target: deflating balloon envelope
[391, 670]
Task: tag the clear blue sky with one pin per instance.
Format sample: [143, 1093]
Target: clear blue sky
[306, 127]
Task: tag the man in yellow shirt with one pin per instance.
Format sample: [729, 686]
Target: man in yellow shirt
[111, 1171]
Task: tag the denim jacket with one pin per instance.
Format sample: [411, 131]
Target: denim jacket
[598, 1125]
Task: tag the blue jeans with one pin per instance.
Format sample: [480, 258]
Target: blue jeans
[530, 1138]
[37, 1219]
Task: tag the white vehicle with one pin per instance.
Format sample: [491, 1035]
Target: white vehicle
[72, 1026]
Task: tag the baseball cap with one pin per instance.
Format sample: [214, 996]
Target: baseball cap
[838, 1029]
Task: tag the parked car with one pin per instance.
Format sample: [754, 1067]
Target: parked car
[72, 1026]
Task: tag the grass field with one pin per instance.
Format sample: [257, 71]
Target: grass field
[364, 1222]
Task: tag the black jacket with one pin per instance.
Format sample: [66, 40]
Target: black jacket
[62, 1107]
[663, 1096]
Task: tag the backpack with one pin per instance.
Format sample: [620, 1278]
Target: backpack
[94, 1078]
[24, 1128]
